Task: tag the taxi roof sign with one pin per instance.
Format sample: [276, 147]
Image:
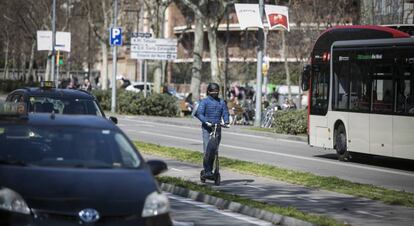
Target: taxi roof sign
[13, 109]
[46, 84]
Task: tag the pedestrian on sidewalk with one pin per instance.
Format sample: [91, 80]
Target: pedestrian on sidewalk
[212, 110]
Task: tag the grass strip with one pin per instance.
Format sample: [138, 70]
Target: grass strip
[260, 129]
[295, 177]
[270, 130]
[285, 211]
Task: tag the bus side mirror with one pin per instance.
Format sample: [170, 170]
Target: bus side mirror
[305, 77]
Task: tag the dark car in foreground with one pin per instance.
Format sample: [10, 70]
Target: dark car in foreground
[46, 99]
[75, 170]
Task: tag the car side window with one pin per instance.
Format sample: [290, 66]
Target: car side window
[17, 98]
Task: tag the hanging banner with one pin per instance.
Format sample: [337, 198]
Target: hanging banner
[277, 17]
[248, 15]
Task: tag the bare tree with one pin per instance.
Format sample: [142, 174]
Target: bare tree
[157, 8]
[198, 47]
[211, 13]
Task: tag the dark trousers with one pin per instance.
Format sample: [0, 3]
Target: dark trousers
[209, 150]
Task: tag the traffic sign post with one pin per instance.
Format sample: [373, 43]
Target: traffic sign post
[115, 39]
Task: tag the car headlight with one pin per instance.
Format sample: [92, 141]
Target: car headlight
[11, 201]
[155, 204]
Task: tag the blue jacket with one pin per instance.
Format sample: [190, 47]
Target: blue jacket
[212, 110]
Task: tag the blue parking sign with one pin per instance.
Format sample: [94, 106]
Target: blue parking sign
[115, 36]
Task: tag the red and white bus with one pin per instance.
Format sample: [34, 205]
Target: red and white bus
[361, 92]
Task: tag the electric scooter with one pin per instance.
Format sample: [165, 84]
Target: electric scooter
[213, 144]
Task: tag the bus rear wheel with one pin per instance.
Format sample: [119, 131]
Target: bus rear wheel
[341, 146]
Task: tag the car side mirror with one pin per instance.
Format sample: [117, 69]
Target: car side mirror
[305, 77]
[157, 166]
[113, 119]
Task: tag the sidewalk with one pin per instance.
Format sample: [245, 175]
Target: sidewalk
[344, 208]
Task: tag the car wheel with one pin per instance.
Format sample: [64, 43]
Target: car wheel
[341, 146]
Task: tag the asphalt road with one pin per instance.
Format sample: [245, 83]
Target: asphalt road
[186, 212]
[287, 153]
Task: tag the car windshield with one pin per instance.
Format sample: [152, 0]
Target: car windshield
[63, 146]
[64, 106]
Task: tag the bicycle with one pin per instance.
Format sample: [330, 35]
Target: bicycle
[213, 144]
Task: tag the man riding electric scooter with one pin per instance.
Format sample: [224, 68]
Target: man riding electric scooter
[210, 112]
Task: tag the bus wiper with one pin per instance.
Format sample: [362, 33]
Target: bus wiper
[13, 162]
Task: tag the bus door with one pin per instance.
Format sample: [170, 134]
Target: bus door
[382, 72]
[358, 104]
[318, 122]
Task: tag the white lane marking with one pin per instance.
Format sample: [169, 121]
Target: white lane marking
[258, 188]
[288, 155]
[307, 199]
[177, 170]
[367, 213]
[231, 133]
[237, 216]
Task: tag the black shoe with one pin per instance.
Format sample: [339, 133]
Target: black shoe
[208, 174]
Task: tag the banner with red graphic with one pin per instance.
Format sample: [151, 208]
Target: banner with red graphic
[277, 17]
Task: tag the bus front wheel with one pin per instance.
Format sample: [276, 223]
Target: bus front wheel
[341, 147]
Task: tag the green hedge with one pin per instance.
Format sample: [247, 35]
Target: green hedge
[136, 104]
[6, 86]
[291, 122]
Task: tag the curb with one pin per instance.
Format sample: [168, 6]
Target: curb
[234, 206]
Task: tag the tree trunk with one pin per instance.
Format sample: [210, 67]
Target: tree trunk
[47, 71]
[197, 58]
[6, 61]
[157, 77]
[214, 64]
[104, 68]
[23, 66]
[286, 65]
[32, 53]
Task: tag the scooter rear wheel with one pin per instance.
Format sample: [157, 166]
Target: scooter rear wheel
[202, 178]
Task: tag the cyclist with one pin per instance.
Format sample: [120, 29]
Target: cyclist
[211, 111]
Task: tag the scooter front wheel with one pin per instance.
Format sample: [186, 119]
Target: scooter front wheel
[202, 178]
[217, 180]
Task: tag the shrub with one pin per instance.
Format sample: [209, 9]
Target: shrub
[104, 98]
[135, 103]
[291, 122]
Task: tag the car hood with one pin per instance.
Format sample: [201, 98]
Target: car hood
[112, 192]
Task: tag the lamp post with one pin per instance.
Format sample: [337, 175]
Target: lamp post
[258, 113]
[54, 43]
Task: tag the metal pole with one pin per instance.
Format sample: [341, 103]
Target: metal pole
[258, 113]
[265, 79]
[54, 42]
[145, 78]
[57, 69]
[114, 62]
[226, 72]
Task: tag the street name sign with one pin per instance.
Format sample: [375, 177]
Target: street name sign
[153, 48]
[115, 36]
[141, 35]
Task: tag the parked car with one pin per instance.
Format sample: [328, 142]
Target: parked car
[61, 101]
[58, 169]
[139, 87]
